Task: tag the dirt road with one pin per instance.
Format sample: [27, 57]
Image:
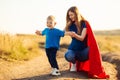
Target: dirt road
[39, 69]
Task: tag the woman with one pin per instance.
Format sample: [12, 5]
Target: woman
[83, 53]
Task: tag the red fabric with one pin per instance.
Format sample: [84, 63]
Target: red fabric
[94, 65]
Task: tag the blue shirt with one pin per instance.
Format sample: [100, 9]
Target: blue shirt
[52, 37]
[76, 45]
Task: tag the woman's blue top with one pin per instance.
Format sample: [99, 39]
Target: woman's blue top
[77, 45]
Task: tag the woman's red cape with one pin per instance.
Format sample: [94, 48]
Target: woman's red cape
[94, 65]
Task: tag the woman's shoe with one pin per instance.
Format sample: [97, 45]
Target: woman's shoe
[73, 67]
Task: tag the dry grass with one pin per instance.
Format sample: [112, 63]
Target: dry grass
[109, 43]
[16, 47]
[24, 47]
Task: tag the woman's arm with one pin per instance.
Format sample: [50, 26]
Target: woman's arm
[80, 37]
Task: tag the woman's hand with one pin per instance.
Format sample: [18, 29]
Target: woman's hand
[79, 37]
[72, 34]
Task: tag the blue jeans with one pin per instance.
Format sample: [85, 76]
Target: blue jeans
[51, 54]
[72, 56]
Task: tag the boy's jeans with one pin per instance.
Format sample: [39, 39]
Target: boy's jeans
[81, 56]
[51, 54]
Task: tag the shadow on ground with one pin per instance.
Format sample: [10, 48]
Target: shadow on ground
[65, 75]
[114, 59]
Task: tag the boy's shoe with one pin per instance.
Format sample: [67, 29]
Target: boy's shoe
[52, 71]
[73, 67]
[55, 72]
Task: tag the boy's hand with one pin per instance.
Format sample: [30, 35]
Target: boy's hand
[72, 34]
[68, 33]
[38, 32]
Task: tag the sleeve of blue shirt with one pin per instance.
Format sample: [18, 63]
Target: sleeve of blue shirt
[83, 24]
[44, 31]
[61, 33]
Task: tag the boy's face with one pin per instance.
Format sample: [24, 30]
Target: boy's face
[50, 23]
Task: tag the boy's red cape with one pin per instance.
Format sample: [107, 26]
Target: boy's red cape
[94, 65]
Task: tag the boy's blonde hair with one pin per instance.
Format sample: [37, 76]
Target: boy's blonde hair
[51, 17]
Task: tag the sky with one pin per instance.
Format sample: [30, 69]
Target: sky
[27, 16]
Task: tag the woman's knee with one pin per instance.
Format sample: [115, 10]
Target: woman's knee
[70, 56]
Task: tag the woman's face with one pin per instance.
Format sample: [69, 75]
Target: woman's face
[72, 16]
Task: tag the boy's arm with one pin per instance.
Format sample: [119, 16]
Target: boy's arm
[67, 32]
[38, 32]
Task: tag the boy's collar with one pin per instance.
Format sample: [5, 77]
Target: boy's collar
[51, 28]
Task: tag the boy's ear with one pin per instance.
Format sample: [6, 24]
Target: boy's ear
[55, 23]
